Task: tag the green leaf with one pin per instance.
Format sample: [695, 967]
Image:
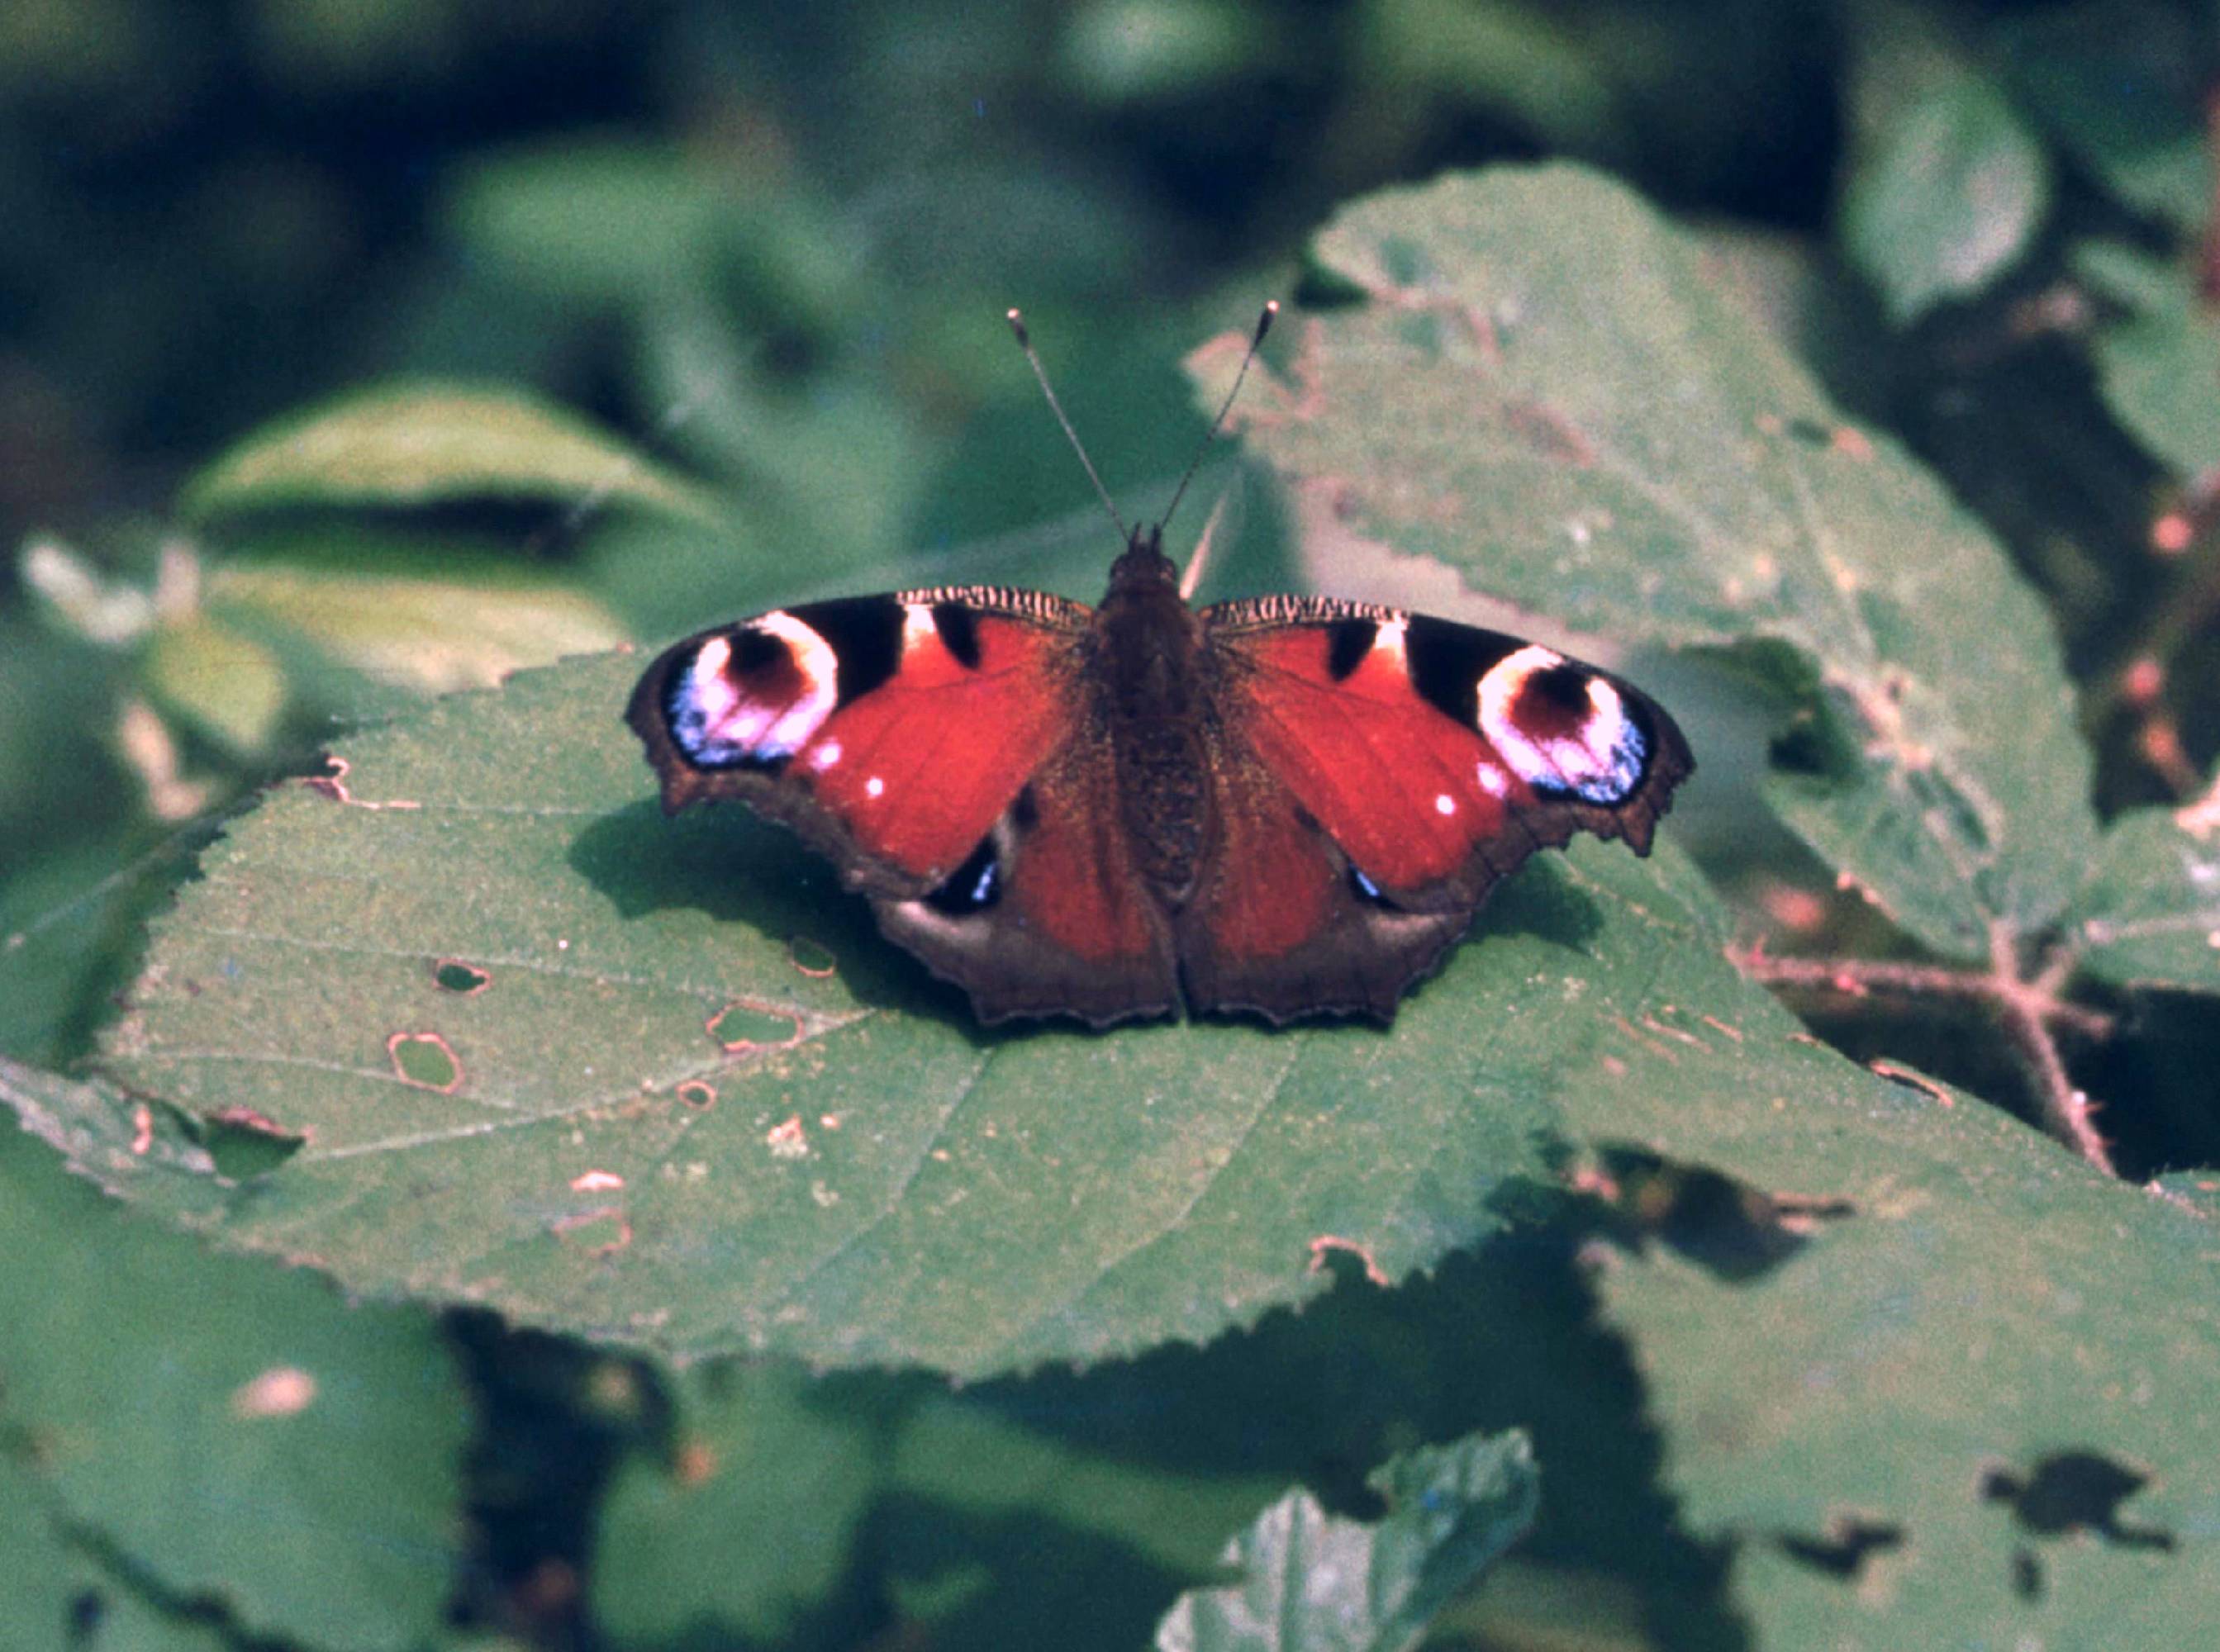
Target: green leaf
[230, 1427]
[2149, 915]
[1967, 1399]
[58, 1595]
[225, 685]
[1541, 389]
[430, 632]
[833, 1184]
[788, 1500]
[426, 444]
[1311, 1582]
[750, 1527]
[2156, 364]
[1946, 187]
[2117, 82]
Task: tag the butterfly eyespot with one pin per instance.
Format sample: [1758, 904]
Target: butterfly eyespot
[1368, 892]
[974, 887]
[1563, 729]
[754, 697]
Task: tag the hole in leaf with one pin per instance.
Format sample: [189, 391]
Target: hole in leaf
[86, 1610]
[695, 1094]
[425, 1060]
[1844, 1543]
[1815, 744]
[602, 1233]
[813, 958]
[244, 1144]
[741, 1026]
[1737, 1232]
[2070, 1492]
[457, 976]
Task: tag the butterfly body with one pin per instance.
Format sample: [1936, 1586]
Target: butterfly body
[1287, 807]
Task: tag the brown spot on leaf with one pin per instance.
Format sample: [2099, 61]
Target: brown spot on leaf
[333, 786]
[281, 1391]
[1550, 433]
[695, 1462]
[1913, 1080]
[742, 1025]
[142, 1128]
[602, 1232]
[1326, 1244]
[244, 1144]
[789, 1139]
[425, 1061]
[597, 1181]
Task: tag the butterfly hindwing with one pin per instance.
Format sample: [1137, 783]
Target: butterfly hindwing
[1390, 768]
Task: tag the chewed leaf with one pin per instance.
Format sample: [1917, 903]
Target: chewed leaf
[2149, 915]
[1312, 1582]
[659, 1073]
[1543, 390]
[427, 444]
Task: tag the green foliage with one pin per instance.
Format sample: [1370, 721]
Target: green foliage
[1948, 186]
[189, 1427]
[1585, 424]
[1311, 1583]
[427, 444]
[1809, 1354]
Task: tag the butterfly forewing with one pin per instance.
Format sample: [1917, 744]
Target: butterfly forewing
[935, 744]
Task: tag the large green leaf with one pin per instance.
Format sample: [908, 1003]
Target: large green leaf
[1311, 1582]
[2157, 360]
[2150, 913]
[750, 1529]
[1946, 187]
[58, 1595]
[1539, 387]
[230, 1429]
[1975, 1409]
[659, 1080]
[425, 444]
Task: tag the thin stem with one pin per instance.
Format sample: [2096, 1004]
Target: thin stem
[2028, 1008]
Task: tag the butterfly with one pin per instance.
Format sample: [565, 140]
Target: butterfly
[1284, 805]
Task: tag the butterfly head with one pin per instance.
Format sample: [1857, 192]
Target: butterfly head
[1144, 564]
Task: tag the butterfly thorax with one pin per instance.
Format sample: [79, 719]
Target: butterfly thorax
[1149, 642]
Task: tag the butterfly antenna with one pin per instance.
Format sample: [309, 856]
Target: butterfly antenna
[1026, 344]
[1255, 342]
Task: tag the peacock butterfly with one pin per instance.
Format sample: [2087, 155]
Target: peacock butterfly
[1290, 806]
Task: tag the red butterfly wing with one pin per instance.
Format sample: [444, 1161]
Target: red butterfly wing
[1376, 773]
[890, 732]
[939, 747]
